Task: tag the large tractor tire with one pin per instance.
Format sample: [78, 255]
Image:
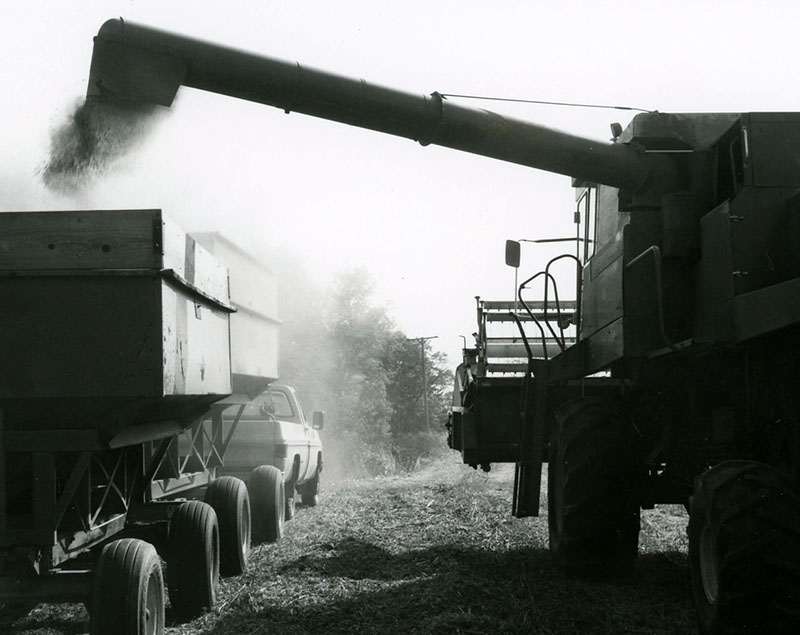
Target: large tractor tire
[228, 496]
[268, 503]
[128, 590]
[593, 513]
[193, 559]
[744, 550]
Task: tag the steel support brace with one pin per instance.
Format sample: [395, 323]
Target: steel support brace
[71, 487]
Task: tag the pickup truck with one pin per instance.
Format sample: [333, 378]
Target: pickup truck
[278, 452]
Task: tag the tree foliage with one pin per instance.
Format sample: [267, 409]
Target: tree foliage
[345, 355]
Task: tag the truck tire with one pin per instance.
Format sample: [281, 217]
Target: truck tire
[593, 514]
[268, 503]
[128, 590]
[193, 559]
[289, 488]
[289, 510]
[228, 496]
[309, 494]
[744, 550]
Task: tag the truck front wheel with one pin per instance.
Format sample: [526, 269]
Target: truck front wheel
[309, 491]
[744, 550]
[593, 515]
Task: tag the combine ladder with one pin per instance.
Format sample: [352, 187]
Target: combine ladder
[562, 321]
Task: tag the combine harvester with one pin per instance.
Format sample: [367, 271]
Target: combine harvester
[676, 381]
[121, 348]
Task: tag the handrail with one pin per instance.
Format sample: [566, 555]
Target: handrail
[656, 252]
[578, 289]
[524, 338]
[530, 313]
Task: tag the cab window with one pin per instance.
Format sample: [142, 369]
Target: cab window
[272, 402]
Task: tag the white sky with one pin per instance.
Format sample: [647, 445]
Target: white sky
[429, 223]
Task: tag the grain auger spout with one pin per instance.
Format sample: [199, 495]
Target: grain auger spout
[135, 63]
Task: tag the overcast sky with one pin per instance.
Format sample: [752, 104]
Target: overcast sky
[429, 223]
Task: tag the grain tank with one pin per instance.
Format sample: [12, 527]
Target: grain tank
[676, 381]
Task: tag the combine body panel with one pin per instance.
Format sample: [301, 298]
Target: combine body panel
[676, 370]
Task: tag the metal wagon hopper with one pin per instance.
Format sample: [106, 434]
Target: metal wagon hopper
[120, 347]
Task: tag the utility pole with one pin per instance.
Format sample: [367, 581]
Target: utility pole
[422, 341]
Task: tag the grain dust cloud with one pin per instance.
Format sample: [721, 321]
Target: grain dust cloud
[95, 138]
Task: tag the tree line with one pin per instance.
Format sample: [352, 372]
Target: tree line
[344, 354]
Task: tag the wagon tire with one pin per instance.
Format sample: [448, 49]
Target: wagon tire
[268, 503]
[593, 513]
[744, 550]
[193, 559]
[128, 590]
[229, 498]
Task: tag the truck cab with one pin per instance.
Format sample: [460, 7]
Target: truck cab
[272, 429]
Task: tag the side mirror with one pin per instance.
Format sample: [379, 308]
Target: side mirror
[317, 420]
[512, 253]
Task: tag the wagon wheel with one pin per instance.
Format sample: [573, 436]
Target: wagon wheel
[128, 590]
[193, 559]
[268, 502]
[228, 496]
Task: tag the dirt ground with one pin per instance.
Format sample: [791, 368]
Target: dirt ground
[436, 551]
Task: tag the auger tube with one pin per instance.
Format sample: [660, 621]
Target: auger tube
[137, 63]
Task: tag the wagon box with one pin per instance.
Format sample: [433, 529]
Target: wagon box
[115, 332]
[255, 325]
[111, 321]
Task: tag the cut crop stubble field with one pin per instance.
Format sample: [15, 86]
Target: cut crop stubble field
[435, 551]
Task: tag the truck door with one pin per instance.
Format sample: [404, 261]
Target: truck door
[294, 426]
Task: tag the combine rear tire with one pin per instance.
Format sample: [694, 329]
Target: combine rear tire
[593, 514]
[228, 496]
[128, 590]
[268, 503]
[744, 550]
[193, 559]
